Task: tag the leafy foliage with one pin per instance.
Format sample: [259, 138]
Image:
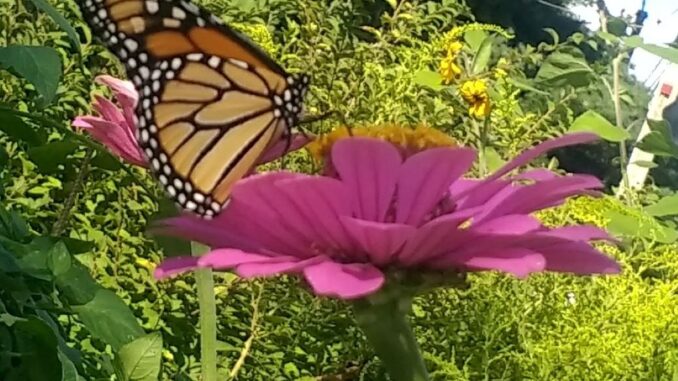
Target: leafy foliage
[78, 301]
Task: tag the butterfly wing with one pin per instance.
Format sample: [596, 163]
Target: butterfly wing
[210, 101]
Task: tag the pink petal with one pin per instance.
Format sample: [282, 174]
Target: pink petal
[174, 266]
[541, 195]
[259, 211]
[425, 178]
[319, 202]
[208, 232]
[113, 136]
[369, 169]
[275, 267]
[510, 224]
[533, 153]
[519, 262]
[281, 148]
[434, 238]
[123, 90]
[223, 259]
[579, 258]
[344, 281]
[581, 233]
[379, 240]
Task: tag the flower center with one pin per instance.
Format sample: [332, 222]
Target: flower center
[409, 139]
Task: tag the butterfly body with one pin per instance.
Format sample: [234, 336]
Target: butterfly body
[210, 102]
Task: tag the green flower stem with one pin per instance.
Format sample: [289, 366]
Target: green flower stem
[204, 281]
[385, 324]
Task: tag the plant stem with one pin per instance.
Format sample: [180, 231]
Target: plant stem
[482, 160]
[204, 282]
[616, 84]
[385, 324]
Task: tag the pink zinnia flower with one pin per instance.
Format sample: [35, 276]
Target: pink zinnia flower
[115, 127]
[385, 212]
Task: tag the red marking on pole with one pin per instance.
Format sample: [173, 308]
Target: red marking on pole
[666, 90]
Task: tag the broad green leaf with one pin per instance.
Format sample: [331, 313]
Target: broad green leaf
[659, 140]
[59, 259]
[50, 156]
[609, 37]
[474, 39]
[666, 52]
[591, 121]
[621, 224]
[428, 78]
[617, 26]
[109, 319]
[667, 206]
[482, 55]
[140, 359]
[37, 346]
[39, 65]
[17, 129]
[76, 285]
[493, 159]
[525, 84]
[561, 69]
[68, 370]
[60, 20]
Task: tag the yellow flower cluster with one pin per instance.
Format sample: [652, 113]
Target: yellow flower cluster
[419, 138]
[475, 94]
[448, 68]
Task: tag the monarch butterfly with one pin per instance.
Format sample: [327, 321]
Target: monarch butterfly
[210, 101]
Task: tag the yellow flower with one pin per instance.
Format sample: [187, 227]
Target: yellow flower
[145, 263]
[453, 48]
[500, 73]
[475, 94]
[449, 70]
[415, 139]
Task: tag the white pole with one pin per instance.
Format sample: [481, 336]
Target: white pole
[665, 94]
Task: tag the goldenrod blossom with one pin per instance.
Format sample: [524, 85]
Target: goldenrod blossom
[475, 94]
[449, 70]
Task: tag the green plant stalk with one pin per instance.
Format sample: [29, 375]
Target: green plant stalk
[204, 282]
[616, 84]
[390, 334]
[482, 160]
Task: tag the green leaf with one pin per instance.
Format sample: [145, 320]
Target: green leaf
[560, 69]
[524, 84]
[591, 121]
[171, 246]
[474, 39]
[37, 348]
[621, 224]
[659, 140]
[667, 206]
[50, 156]
[140, 360]
[68, 370]
[109, 319]
[482, 56]
[59, 259]
[60, 20]
[39, 65]
[665, 52]
[645, 164]
[554, 35]
[430, 79]
[17, 129]
[493, 159]
[76, 285]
